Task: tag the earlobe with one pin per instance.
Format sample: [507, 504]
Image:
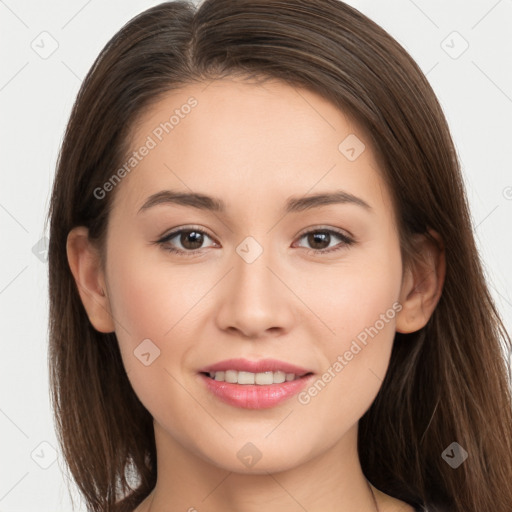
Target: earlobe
[422, 285]
[85, 264]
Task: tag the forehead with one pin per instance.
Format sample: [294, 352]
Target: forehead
[273, 113]
[230, 135]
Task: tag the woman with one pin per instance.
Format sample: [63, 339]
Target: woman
[202, 357]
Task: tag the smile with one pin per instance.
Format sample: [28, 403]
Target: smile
[261, 379]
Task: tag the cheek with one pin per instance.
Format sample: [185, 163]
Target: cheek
[151, 298]
[368, 302]
[360, 305]
[354, 294]
[150, 309]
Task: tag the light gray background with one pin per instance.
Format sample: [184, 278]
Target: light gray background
[36, 94]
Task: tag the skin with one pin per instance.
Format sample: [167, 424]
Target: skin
[254, 146]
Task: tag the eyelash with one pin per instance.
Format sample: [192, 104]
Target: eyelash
[346, 241]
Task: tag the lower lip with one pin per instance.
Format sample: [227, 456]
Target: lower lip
[254, 396]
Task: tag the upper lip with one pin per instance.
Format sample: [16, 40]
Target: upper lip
[260, 366]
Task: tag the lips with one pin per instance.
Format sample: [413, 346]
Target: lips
[260, 366]
[254, 396]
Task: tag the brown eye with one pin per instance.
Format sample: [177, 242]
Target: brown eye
[184, 241]
[191, 239]
[319, 240]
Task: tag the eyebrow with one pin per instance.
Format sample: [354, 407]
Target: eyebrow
[294, 204]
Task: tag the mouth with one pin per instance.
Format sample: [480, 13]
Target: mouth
[230, 367]
[254, 384]
[260, 379]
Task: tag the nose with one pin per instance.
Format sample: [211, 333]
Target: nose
[255, 301]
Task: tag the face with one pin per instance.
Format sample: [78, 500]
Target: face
[260, 271]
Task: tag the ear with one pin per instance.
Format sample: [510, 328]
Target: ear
[422, 284]
[84, 261]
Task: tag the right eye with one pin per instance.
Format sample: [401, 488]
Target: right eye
[191, 240]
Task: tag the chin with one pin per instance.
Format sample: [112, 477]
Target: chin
[250, 460]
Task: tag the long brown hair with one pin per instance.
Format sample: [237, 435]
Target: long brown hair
[446, 383]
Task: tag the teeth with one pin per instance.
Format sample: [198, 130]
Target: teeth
[262, 379]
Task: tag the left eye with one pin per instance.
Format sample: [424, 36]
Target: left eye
[192, 239]
[324, 236]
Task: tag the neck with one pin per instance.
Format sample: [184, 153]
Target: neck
[330, 482]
